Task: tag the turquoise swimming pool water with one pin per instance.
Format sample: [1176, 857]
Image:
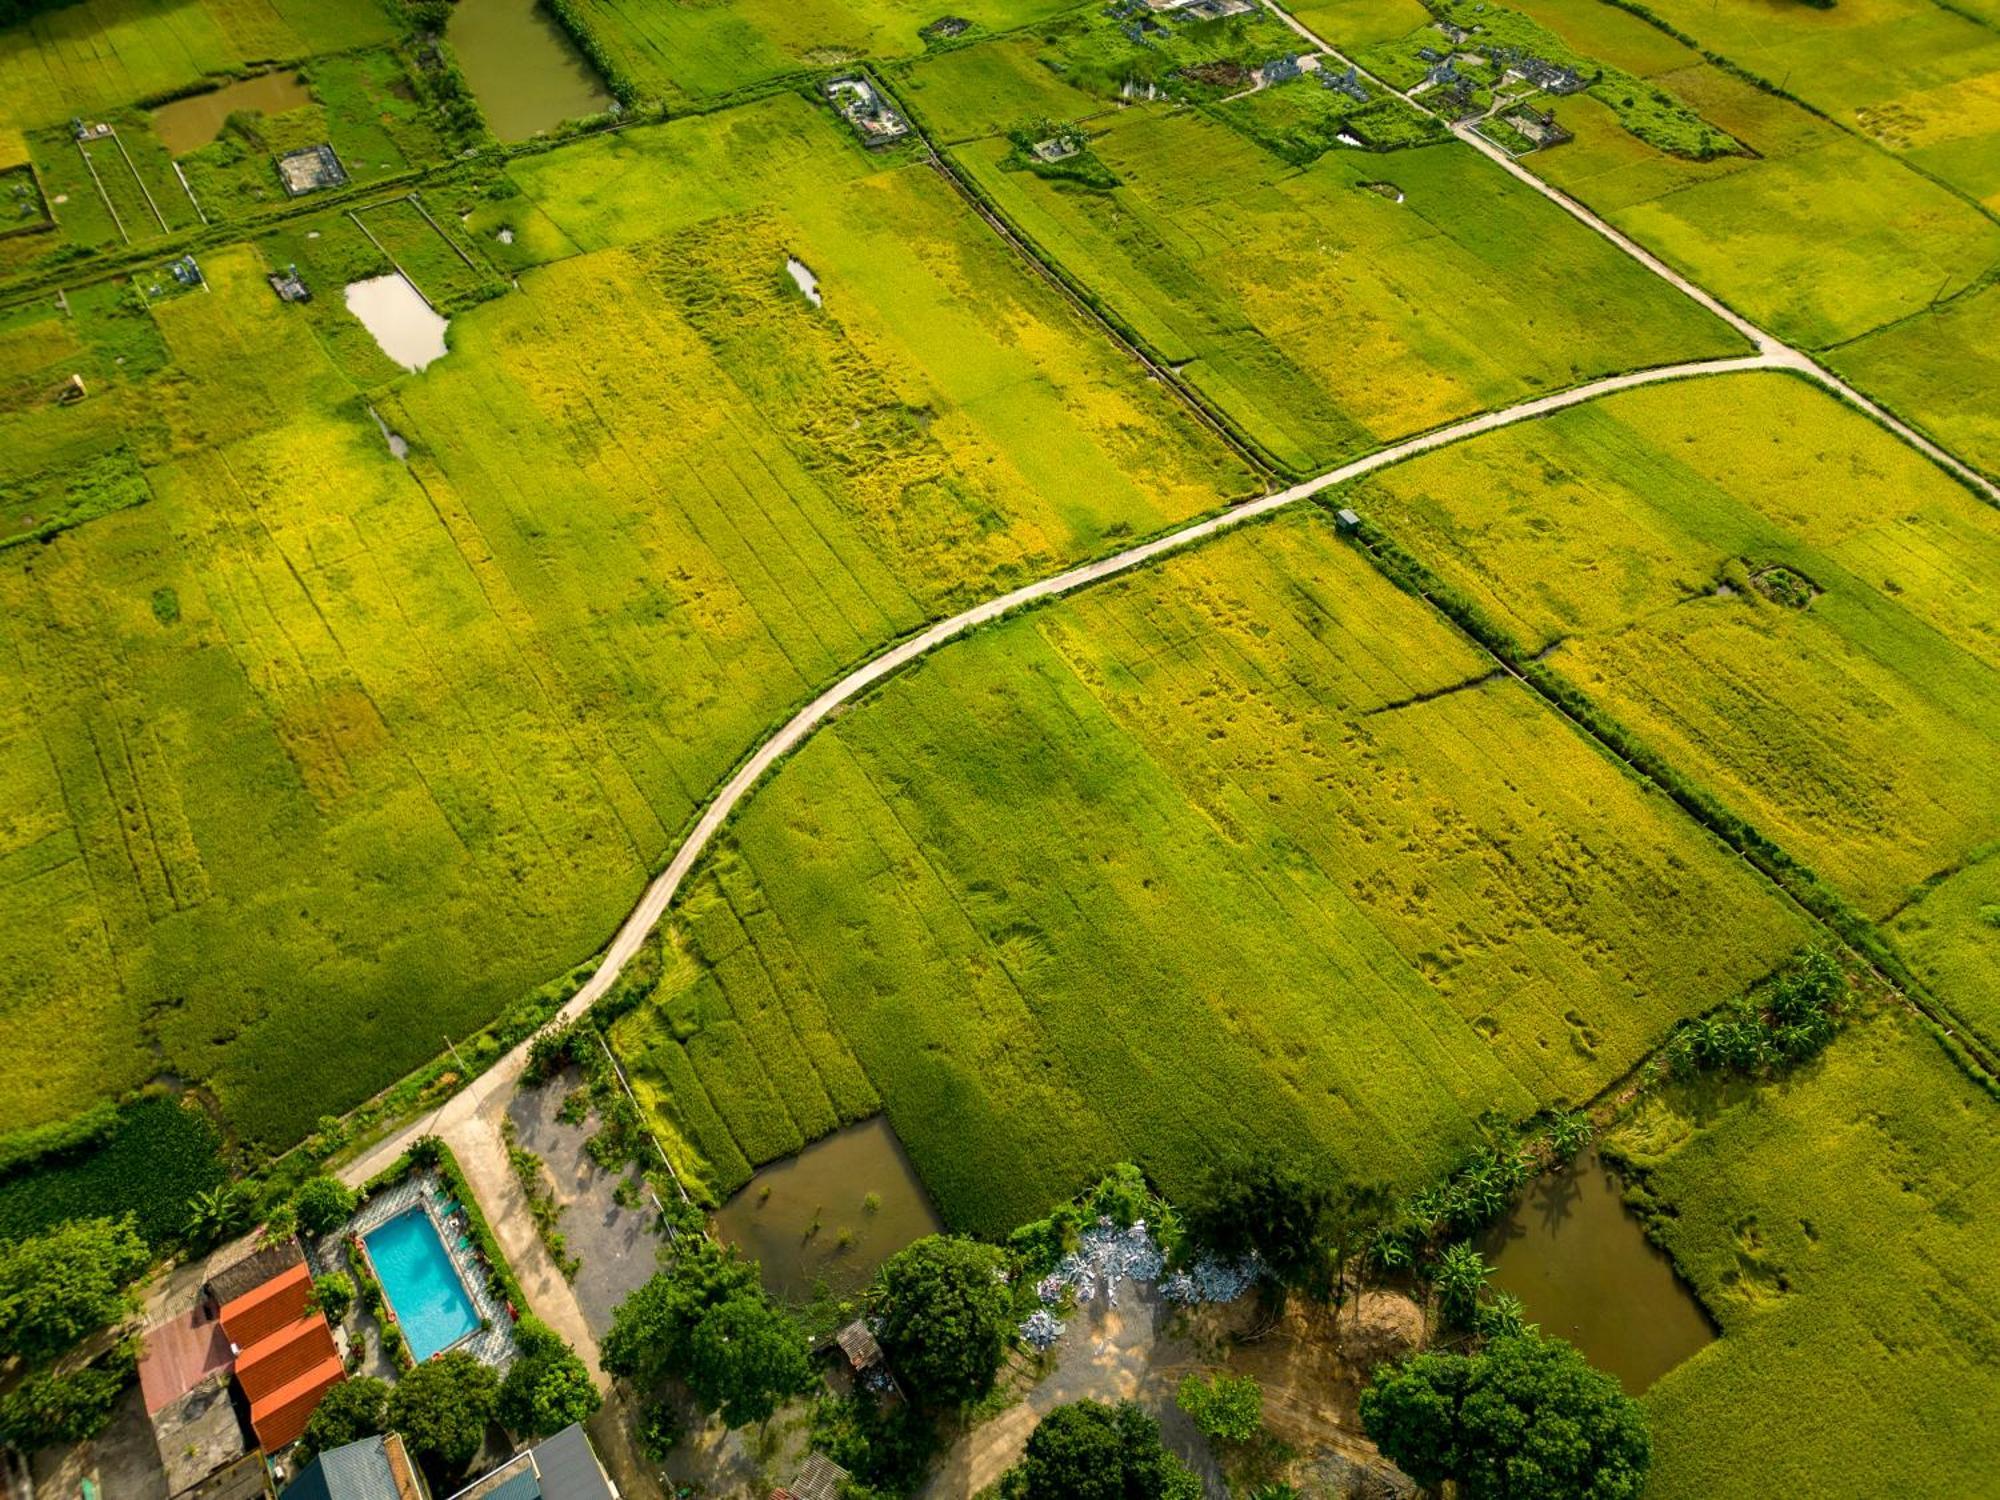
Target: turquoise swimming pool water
[421, 1284]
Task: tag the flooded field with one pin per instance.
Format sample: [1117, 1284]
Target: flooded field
[527, 74]
[403, 323]
[191, 123]
[832, 1213]
[1579, 1260]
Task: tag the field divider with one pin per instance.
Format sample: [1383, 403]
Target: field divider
[144, 191]
[109, 206]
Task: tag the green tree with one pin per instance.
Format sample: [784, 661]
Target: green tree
[547, 1387]
[1460, 1276]
[1301, 1217]
[352, 1410]
[1526, 1419]
[333, 1294]
[945, 1317]
[442, 1407]
[323, 1204]
[66, 1282]
[50, 1409]
[1229, 1408]
[705, 1320]
[217, 1213]
[1090, 1451]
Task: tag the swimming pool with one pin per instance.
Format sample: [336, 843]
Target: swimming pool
[421, 1284]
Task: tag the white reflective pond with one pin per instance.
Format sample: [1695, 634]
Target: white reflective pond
[402, 322]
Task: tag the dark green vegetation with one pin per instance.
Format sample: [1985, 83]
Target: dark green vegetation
[1524, 1418]
[147, 1159]
[705, 1321]
[441, 1408]
[1089, 1451]
[946, 1317]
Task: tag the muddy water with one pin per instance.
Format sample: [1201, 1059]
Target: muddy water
[189, 124]
[1577, 1257]
[773, 1219]
[402, 322]
[525, 72]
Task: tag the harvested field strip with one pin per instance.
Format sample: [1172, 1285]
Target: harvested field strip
[1133, 875]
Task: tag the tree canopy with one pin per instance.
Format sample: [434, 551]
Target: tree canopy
[352, 1410]
[68, 1282]
[706, 1320]
[1090, 1451]
[945, 1317]
[442, 1407]
[1525, 1419]
[1229, 1408]
[322, 1204]
[547, 1387]
[1299, 1215]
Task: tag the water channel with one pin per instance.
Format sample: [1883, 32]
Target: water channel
[1580, 1262]
[189, 124]
[524, 70]
[832, 1213]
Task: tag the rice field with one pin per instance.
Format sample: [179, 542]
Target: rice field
[1841, 1230]
[693, 52]
[100, 54]
[1323, 316]
[313, 758]
[1938, 369]
[1785, 602]
[1817, 234]
[1250, 847]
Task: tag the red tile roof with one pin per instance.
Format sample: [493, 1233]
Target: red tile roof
[281, 1416]
[261, 1312]
[277, 1361]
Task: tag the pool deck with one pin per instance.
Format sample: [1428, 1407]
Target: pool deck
[493, 1344]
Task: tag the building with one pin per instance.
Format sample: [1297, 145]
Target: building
[375, 1468]
[309, 169]
[563, 1467]
[286, 1358]
[866, 110]
[944, 28]
[291, 287]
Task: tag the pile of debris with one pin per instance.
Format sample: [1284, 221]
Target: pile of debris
[1042, 1329]
[1211, 1280]
[1104, 1256]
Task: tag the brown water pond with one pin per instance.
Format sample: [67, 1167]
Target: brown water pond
[524, 70]
[1578, 1259]
[191, 123]
[832, 1213]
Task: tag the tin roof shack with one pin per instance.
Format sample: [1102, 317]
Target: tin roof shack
[944, 28]
[866, 110]
[563, 1467]
[1537, 126]
[289, 285]
[310, 169]
[1057, 148]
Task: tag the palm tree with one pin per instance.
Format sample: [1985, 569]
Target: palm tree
[217, 1212]
[1460, 1276]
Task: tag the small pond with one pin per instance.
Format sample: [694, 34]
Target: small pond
[803, 279]
[832, 1213]
[420, 1283]
[1579, 1260]
[524, 70]
[403, 323]
[191, 123]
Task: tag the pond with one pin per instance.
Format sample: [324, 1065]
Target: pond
[804, 280]
[832, 1213]
[1580, 1262]
[524, 70]
[189, 124]
[405, 325]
